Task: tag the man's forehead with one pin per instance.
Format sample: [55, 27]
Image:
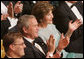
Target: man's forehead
[33, 21]
[19, 40]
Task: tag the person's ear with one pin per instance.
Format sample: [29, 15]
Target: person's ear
[25, 29]
[12, 47]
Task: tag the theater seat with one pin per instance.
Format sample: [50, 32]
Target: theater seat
[2, 50]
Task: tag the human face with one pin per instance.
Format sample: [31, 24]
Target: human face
[33, 28]
[48, 18]
[19, 47]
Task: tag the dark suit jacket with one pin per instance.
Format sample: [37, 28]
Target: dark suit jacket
[79, 6]
[30, 52]
[62, 16]
[5, 24]
[27, 7]
[5, 57]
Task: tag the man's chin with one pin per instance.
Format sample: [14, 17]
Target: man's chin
[36, 36]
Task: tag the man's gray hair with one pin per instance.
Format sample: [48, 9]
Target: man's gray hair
[24, 21]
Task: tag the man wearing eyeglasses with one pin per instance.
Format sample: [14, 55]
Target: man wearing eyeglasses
[14, 45]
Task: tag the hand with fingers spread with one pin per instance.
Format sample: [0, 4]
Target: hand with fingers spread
[10, 10]
[18, 7]
[51, 44]
[51, 48]
[63, 42]
[73, 26]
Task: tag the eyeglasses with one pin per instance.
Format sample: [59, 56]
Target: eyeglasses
[19, 44]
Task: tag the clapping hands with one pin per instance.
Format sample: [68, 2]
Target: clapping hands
[51, 44]
[63, 42]
[18, 7]
[73, 26]
[10, 10]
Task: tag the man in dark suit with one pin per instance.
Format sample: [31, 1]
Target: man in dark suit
[7, 19]
[5, 24]
[36, 48]
[28, 26]
[25, 9]
[62, 15]
[14, 45]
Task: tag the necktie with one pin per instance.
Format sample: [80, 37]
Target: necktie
[73, 5]
[38, 51]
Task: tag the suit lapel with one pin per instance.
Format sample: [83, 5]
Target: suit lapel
[69, 11]
[36, 51]
[42, 44]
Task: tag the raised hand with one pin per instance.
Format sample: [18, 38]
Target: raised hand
[73, 26]
[63, 42]
[51, 44]
[18, 7]
[10, 10]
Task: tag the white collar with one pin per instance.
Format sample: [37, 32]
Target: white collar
[68, 3]
[3, 8]
[29, 40]
[8, 56]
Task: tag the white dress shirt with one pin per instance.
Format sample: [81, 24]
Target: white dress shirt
[3, 8]
[36, 45]
[8, 56]
[13, 22]
[75, 11]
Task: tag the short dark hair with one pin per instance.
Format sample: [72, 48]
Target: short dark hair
[9, 38]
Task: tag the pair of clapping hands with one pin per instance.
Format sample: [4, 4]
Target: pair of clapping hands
[64, 40]
[17, 9]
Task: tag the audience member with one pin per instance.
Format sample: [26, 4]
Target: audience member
[10, 21]
[39, 37]
[36, 48]
[63, 14]
[43, 13]
[14, 45]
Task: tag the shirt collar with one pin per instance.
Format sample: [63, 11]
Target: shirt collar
[3, 8]
[8, 56]
[29, 40]
[68, 3]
